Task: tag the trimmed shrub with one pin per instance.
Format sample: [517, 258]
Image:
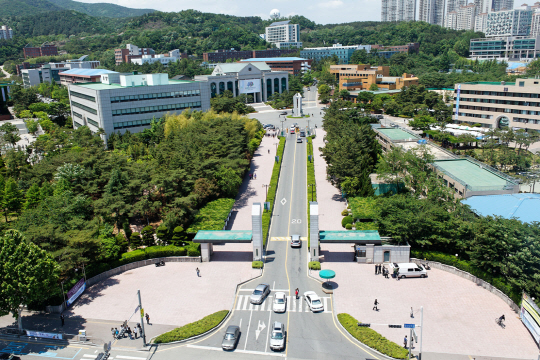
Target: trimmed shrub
[196, 328]
[257, 264]
[348, 226]
[179, 236]
[346, 220]
[162, 232]
[135, 240]
[345, 212]
[164, 251]
[212, 216]
[194, 250]
[132, 256]
[272, 189]
[368, 225]
[147, 234]
[372, 338]
[314, 265]
[364, 207]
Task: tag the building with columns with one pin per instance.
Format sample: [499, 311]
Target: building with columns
[255, 79]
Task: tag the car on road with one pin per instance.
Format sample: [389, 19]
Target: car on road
[280, 302]
[283, 113]
[295, 241]
[308, 89]
[314, 302]
[260, 293]
[277, 340]
[270, 127]
[230, 339]
[302, 133]
[299, 139]
[323, 108]
[293, 129]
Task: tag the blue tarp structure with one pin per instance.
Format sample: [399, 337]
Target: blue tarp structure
[422, 141]
[524, 207]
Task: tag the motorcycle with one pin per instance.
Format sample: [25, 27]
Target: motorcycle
[426, 266]
[160, 263]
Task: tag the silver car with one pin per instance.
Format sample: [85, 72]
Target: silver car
[277, 340]
[295, 241]
[260, 293]
[230, 340]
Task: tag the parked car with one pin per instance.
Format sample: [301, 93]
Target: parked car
[314, 302]
[270, 127]
[283, 113]
[295, 241]
[323, 108]
[230, 339]
[277, 340]
[280, 302]
[260, 293]
[408, 270]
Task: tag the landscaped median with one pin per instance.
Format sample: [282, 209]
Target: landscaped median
[372, 338]
[312, 190]
[190, 330]
[272, 190]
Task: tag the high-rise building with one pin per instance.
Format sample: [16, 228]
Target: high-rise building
[535, 23]
[398, 10]
[284, 34]
[466, 16]
[431, 11]
[6, 33]
[516, 22]
[480, 22]
[454, 5]
[498, 5]
[451, 20]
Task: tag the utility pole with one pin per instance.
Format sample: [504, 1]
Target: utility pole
[421, 330]
[142, 318]
[266, 186]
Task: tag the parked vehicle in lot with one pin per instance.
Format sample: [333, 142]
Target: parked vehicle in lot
[230, 340]
[295, 241]
[260, 293]
[280, 302]
[314, 302]
[270, 127]
[408, 270]
[277, 340]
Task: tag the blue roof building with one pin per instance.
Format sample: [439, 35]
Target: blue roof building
[76, 76]
[524, 207]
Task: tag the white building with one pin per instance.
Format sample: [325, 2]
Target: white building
[480, 22]
[398, 10]
[165, 59]
[6, 33]
[535, 23]
[516, 22]
[466, 17]
[283, 34]
[451, 20]
[432, 11]
[454, 5]
[50, 71]
[498, 5]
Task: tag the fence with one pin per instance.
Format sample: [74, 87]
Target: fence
[134, 265]
[470, 277]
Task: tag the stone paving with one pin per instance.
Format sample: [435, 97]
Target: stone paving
[331, 204]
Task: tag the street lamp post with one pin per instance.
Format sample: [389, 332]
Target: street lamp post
[266, 186]
[282, 121]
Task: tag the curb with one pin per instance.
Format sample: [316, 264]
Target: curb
[277, 188]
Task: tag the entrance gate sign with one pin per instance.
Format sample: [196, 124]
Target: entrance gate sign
[250, 86]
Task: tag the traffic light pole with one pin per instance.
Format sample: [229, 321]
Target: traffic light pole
[141, 310]
[421, 330]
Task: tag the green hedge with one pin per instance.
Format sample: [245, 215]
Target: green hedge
[499, 282]
[257, 264]
[310, 179]
[314, 265]
[212, 216]
[372, 338]
[347, 220]
[198, 327]
[272, 189]
[366, 226]
[364, 208]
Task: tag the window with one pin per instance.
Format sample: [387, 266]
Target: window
[84, 107]
[82, 96]
[158, 108]
[361, 253]
[93, 122]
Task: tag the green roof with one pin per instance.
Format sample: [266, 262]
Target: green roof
[101, 86]
[397, 134]
[472, 174]
[350, 236]
[223, 236]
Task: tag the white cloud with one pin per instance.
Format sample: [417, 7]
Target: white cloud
[332, 4]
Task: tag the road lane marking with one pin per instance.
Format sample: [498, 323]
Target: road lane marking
[239, 306]
[268, 332]
[90, 356]
[238, 351]
[247, 332]
[286, 238]
[246, 304]
[129, 357]
[276, 290]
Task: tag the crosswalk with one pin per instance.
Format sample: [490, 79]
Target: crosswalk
[286, 238]
[293, 305]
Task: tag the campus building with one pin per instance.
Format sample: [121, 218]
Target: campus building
[499, 105]
[256, 79]
[221, 56]
[44, 50]
[283, 34]
[343, 53]
[388, 51]
[35, 75]
[76, 76]
[130, 101]
[294, 65]
[6, 33]
[362, 76]
[515, 22]
[165, 59]
[131, 52]
[511, 48]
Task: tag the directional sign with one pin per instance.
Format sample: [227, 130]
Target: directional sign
[260, 327]
[408, 326]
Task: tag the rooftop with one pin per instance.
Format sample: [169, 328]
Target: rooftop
[86, 72]
[475, 175]
[276, 59]
[350, 236]
[101, 86]
[376, 92]
[437, 152]
[278, 23]
[524, 207]
[217, 236]
[397, 134]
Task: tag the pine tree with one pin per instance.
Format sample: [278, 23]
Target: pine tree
[12, 197]
[46, 190]
[33, 197]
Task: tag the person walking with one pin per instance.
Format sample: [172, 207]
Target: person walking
[296, 292]
[113, 332]
[405, 342]
[255, 176]
[62, 319]
[116, 333]
[198, 272]
[129, 333]
[250, 176]
[412, 313]
[135, 332]
[375, 305]
[375, 269]
[147, 319]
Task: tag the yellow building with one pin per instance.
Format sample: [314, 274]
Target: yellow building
[362, 76]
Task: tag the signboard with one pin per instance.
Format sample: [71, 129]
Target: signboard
[457, 101]
[45, 335]
[75, 292]
[142, 312]
[408, 326]
[530, 316]
[249, 86]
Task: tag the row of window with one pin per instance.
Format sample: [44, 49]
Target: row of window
[498, 93]
[82, 96]
[482, 116]
[503, 102]
[93, 122]
[77, 115]
[150, 109]
[526, 121]
[505, 110]
[77, 124]
[130, 124]
[84, 107]
[164, 95]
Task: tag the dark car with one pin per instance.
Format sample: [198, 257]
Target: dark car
[230, 340]
[283, 113]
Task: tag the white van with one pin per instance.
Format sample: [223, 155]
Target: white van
[408, 270]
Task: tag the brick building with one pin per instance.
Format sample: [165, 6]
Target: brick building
[294, 65]
[362, 76]
[45, 50]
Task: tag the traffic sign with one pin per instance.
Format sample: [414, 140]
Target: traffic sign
[408, 326]
[142, 312]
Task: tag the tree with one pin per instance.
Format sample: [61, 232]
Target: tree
[179, 236]
[32, 126]
[12, 197]
[422, 122]
[32, 197]
[228, 181]
[344, 94]
[135, 240]
[147, 234]
[10, 133]
[28, 274]
[373, 87]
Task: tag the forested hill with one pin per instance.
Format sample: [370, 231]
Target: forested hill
[11, 8]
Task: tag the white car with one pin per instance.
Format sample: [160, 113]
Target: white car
[280, 302]
[313, 301]
[293, 129]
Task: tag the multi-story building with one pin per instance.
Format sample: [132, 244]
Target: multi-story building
[164, 59]
[80, 63]
[361, 77]
[130, 101]
[221, 56]
[283, 34]
[343, 53]
[451, 20]
[432, 11]
[33, 77]
[131, 52]
[499, 105]
[76, 76]
[6, 33]
[466, 17]
[398, 10]
[515, 22]
[293, 65]
[498, 5]
[44, 50]
[388, 51]
[511, 48]
[535, 23]
[480, 22]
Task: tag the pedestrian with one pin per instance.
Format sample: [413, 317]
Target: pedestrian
[380, 266]
[113, 332]
[375, 305]
[412, 313]
[147, 319]
[255, 176]
[116, 333]
[129, 333]
[135, 332]
[296, 292]
[375, 269]
[405, 342]
[396, 272]
[269, 151]
[62, 319]
[198, 272]
[250, 176]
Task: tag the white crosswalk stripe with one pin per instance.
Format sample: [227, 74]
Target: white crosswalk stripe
[286, 238]
[293, 304]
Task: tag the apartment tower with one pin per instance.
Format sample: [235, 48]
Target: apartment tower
[432, 11]
[398, 10]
